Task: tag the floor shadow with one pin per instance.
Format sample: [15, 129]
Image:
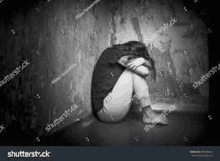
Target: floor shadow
[184, 129]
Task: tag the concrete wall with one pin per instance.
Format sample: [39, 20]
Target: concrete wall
[51, 38]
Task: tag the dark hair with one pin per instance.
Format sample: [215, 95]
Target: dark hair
[137, 49]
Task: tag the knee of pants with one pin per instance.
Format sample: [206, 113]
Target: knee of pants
[139, 79]
[126, 75]
[141, 88]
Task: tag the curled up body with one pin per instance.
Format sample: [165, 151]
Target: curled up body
[136, 64]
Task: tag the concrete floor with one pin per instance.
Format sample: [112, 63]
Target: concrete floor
[184, 129]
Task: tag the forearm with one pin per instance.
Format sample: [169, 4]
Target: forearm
[147, 64]
[125, 60]
[142, 71]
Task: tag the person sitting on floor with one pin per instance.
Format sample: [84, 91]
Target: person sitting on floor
[118, 77]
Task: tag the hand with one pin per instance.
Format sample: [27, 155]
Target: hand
[123, 60]
[135, 63]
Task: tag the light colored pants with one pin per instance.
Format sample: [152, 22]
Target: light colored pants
[118, 102]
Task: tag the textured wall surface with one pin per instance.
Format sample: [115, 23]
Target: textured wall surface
[180, 52]
[52, 40]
